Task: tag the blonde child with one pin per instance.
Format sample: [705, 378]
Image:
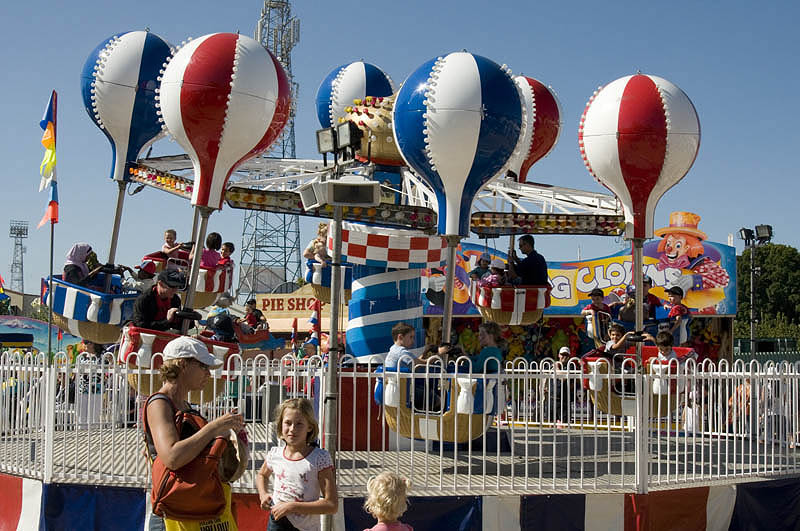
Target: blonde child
[301, 472]
[317, 248]
[386, 501]
[170, 247]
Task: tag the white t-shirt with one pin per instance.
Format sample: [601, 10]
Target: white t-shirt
[298, 481]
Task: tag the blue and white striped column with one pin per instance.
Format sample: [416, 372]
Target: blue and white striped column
[380, 299]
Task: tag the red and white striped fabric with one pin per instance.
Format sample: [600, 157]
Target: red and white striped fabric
[511, 299]
[540, 128]
[224, 98]
[381, 247]
[638, 137]
[214, 280]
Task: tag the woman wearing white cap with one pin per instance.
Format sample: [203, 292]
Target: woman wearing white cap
[187, 364]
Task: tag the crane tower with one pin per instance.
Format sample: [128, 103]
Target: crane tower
[270, 252]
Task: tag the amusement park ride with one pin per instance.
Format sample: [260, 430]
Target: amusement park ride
[450, 150]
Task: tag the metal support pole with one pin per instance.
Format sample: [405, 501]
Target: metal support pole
[49, 301]
[447, 314]
[752, 300]
[194, 272]
[641, 428]
[638, 281]
[331, 404]
[112, 248]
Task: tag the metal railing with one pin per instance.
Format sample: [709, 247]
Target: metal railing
[533, 428]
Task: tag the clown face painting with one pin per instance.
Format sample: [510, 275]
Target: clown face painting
[688, 264]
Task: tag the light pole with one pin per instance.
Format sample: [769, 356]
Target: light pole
[753, 239]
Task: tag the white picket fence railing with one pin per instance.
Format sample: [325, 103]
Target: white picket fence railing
[80, 423]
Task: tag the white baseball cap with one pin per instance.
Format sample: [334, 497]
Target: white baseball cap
[189, 347]
[564, 350]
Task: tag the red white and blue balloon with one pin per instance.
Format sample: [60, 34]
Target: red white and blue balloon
[457, 119]
[638, 136]
[348, 82]
[541, 125]
[225, 99]
[118, 84]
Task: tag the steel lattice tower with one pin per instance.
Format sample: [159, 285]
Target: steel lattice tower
[19, 231]
[270, 252]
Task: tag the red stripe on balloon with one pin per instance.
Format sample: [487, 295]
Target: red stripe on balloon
[642, 143]
[546, 126]
[279, 118]
[204, 101]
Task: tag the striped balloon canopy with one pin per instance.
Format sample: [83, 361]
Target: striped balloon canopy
[118, 84]
[638, 136]
[348, 82]
[541, 125]
[225, 99]
[457, 119]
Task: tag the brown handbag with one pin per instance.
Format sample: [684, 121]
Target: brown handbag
[194, 491]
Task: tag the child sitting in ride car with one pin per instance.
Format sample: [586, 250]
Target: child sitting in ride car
[225, 253]
[482, 268]
[317, 248]
[597, 304]
[210, 255]
[497, 275]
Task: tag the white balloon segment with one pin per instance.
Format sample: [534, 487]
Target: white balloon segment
[118, 84]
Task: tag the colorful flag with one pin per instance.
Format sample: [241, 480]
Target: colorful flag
[48, 166]
[294, 335]
[51, 214]
[1, 284]
[314, 321]
[48, 123]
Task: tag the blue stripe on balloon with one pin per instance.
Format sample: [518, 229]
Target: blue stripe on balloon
[324, 97]
[377, 84]
[87, 77]
[144, 120]
[408, 127]
[498, 135]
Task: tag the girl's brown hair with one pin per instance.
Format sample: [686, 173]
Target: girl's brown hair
[303, 405]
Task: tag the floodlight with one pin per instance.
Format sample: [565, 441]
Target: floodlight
[326, 140]
[746, 234]
[763, 233]
[348, 135]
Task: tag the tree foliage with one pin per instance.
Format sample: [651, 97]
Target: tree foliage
[777, 291]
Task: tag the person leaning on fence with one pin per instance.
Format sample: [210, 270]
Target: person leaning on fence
[187, 364]
[387, 500]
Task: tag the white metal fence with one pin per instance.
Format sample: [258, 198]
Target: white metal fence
[538, 428]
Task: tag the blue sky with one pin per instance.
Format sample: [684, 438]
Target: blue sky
[737, 63]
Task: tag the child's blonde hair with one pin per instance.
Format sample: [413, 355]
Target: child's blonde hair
[322, 230]
[303, 405]
[386, 496]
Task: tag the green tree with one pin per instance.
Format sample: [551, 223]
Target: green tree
[777, 291]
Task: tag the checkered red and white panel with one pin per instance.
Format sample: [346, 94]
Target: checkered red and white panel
[363, 245]
[511, 299]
